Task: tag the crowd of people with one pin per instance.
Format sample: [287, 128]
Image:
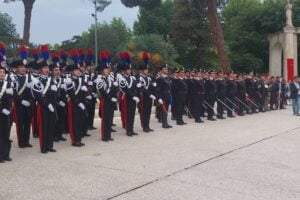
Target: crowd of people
[50, 100]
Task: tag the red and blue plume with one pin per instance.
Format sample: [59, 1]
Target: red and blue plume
[23, 52]
[55, 58]
[81, 53]
[35, 54]
[63, 55]
[146, 58]
[90, 55]
[2, 49]
[74, 55]
[45, 52]
[108, 56]
[122, 56]
[104, 56]
[127, 58]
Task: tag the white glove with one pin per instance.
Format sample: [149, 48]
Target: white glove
[136, 99]
[94, 94]
[116, 84]
[54, 88]
[9, 91]
[5, 112]
[154, 84]
[84, 88]
[63, 86]
[160, 101]
[152, 97]
[89, 97]
[51, 108]
[25, 103]
[138, 85]
[62, 104]
[114, 100]
[81, 106]
[68, 81]
[90, 83]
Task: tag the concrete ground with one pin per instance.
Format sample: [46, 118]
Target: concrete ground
[251, 157]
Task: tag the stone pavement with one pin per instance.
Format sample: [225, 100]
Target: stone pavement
[251, 157]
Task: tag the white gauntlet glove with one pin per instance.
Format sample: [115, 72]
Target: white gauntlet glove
[81, 106]
[90, 83]
[84, 88]
[116, 84]
[54, 88]
[160, 101]
[152, 97]
[25, 103]
[51, 108]
[62, 104]
[89, 97]
[136, 99]
[5, 112]
[114, 100]
[9, 91]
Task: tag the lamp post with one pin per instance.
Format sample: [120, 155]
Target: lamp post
[96, 35]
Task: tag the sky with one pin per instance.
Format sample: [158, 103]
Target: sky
[54, 21]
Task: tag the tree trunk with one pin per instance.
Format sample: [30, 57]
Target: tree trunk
[218, 35]
[28, 5]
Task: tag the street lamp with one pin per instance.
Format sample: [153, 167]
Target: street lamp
[96, 35]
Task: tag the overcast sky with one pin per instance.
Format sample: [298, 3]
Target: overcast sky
[56, 20]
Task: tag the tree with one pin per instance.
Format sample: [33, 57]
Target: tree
[155, 20]
[141, 3]
[7, 28]
[101, 4]
[217, 31]
[28, 5]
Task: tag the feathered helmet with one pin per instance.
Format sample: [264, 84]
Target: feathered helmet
[23, 54]
[2, 52]
[81, 54]
[146, 60]
[89, 58]
[126, 60]
[45, 54]
[55, 61]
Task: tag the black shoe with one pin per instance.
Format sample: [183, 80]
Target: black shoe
[105, 140]
[151, 130]
[8, 159]
[22, 146]
[146, 130]
[114, 125]
[113, 131]
[2, 161]
[179, 123]
[82, 144]
[87, 135]
[28, 145]
[52, 150]
[44, 151]
[62, 139]
[129, 134]
[134, 133]
[199, 121]
[56, 139]
[211, 119]
[93, 128]
[167, 126]
[76, 145]
[111, 139]
[159, 121]
[231, 116]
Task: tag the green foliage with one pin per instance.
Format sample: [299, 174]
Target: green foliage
[156, 20]
[142, 3]
[7, 28]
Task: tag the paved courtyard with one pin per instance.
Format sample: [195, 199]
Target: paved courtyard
[251, 157]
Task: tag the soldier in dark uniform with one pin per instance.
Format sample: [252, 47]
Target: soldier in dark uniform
[198, 92]
[250, 90]
[241, 95]
[77, 92]
[230, 94]
[210, 95]
[174, 77]
[45, 91]
[6, 94]
[146, 93]
[108, 92]
[61, 99]
[181, 88]
[274, 92]
[221, 95]
[129, 97]
[22, 112]
[163, 94]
